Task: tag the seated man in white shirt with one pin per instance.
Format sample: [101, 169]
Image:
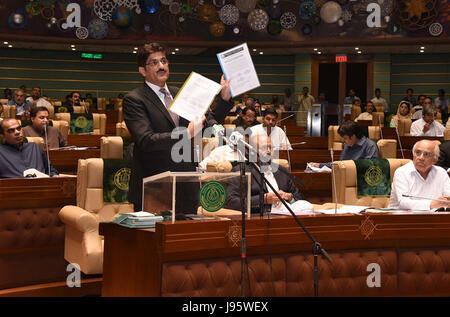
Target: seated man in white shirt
[368, 114]
[427, 126]
[268, 127]
[226, 152]
[420, 178]
[378, 100]
[36, 98]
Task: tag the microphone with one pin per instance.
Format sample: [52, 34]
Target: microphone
[286, 118]
[289, 155]
[46, 147]
[218, 130]
[334, 180]
[381, 130]
[418, 197]
[399, 142]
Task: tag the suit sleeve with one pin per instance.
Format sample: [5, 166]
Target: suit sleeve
[219, 113]
[291, 188]
[144, 136]
[443, 157]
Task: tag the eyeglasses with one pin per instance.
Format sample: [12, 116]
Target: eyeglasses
[425, 154]
[155, 62]
[11, 130]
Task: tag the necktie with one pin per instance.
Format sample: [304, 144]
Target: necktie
[167, 102]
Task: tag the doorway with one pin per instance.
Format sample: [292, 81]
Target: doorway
[356, 78]
[328, 81]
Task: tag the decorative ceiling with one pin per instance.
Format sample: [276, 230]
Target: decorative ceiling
[225, 20]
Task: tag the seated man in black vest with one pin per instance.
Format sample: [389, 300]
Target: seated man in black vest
[275, 174]
[16, 156]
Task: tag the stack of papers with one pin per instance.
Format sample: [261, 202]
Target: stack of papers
[318, 169]
[348, 209]
[139, 219]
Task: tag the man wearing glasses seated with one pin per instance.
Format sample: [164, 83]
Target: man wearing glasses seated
[17, 156]
[427, 186]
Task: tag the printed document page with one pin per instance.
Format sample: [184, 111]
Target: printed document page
[237, 65]
[194, 98]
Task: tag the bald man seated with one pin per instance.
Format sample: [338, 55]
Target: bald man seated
[16, 156]
[429, 185]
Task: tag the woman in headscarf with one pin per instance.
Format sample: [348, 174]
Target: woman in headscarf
[403, 112]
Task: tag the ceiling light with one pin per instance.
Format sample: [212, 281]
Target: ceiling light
[254, 50]
[422, 47]
[177, 49]
[173, 53]
[319, 52]
[9, 45]
[74, 49]
[359, 52]
[261, 53]
[315, 49]
[422, 51]
[356, 48]
[72, 45]
[6, 43]
[134, 52]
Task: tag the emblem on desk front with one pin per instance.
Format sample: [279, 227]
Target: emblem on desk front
[81, 122]
[212, 196]
[373, 176]
[122, 178]
[367, 228]
[234, 235]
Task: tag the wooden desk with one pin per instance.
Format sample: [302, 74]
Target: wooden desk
[66, 161]
[38, 192]
[315, 142]
[292, 130]
[299, 158]
[84, 139]
[364, 123]
[317, 189]
[201, 258]
[32, 236]
[409, 141]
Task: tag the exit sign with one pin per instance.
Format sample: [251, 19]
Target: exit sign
[91, 56]
[341, 58]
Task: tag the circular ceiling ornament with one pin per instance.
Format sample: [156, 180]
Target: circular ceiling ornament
[288, 20]
[229, 14]
[258, 19]
[98, 29]
[82, 33]
[18, 19]
[307, 29]
[307, 10]
[346, 15]
[219, 3]
[331, 12]
[435, 29]
[415, 15]
[217, 29]
[175, 7]
[208, 13]
[274, 27]
[104, 9]
[246, 6]
[47, 12]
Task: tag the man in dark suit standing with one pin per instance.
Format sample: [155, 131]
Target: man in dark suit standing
[151, 124]
[444, 156]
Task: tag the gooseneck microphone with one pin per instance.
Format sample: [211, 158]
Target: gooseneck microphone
[425, 198]
[334, 180]
[46, 147]
[398, 138]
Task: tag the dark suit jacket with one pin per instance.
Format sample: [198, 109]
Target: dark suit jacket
[150, 126]
[233, 189]
[444, 156]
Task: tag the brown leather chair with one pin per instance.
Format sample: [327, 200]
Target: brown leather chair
[404, 127]
[388, 148]
[101, 103]
[111, 147]
[8, 112]
[62, 126]
[346, 189]
[378, 119]
[355, 112]
[336, 142]
[83, 244]
[229, 119]
[121, 129]
[37, 140]
[447, 134]
[99, 120]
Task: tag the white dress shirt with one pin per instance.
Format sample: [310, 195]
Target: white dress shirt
[41, 102]
[408, 181]
[364, 116]
[277, 136]
[381, 101]
[220, 154]
[157, 91]
[436, 129]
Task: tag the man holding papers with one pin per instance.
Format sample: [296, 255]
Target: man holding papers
[151, 123]
[427, 186]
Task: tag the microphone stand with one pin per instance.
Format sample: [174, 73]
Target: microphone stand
[242, 185]
[46, 147]
[288, 155]
[399, 142]
[334, 181]
[317, 247]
